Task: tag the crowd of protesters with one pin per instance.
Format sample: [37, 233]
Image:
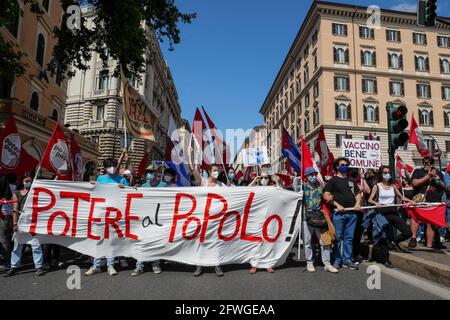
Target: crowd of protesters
[332, 214]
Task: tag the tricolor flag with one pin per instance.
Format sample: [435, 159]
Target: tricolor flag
[290, 151]
[175, 155]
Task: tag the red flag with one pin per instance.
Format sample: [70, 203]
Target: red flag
[77, 159]
[239, 175]
[285, 179]
[14, 158]
[142, 165]
[416, 137]
[198, 127]
[326, 156]
[288, 167]
[222, 152]
[56, 157]
[307, 158]
[434, 215]
[399, 166]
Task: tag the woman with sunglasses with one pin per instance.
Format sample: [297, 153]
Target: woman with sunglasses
[384, 193]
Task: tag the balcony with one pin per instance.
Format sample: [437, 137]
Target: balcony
[12, 106]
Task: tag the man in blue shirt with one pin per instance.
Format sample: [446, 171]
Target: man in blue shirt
[110, 177]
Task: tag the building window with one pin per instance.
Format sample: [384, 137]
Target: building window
[446, 92]
[430, 145]
[307, 124]
[341, 83]
[54, 115]
[100, 112]
[426, 118]
[316, 62]
[300, 108]
[396, 88]
[368, 58]
[447, 146]
[45, 4]
[13, 27]
[34, 102]
[306, 52]
[341, 55]
[316, 116]
[393, 36]
[447, 119]
[40, 49]
[103, 80]
[443, 42]
[340, 137]
[306, 75]
[316, 90]
[369, 86]
[314, 37]
[366, 33]
[423, 91]
[343, 111]
[297, 86]
[420, 39]
[291, 94]
[371, 113]
[395, 60]
[307, 101]
[95, 139]
[444, 65]
[339, 29]
[422, 63]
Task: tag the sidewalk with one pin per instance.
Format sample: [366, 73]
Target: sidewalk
[427, 263]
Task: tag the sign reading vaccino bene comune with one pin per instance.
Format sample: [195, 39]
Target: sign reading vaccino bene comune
[365, 154]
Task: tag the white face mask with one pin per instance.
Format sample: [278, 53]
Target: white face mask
[264, 181]
[215, 174]
[167, 178]
[111, 170]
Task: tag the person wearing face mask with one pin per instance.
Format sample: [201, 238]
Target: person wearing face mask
[111, 176]
[263, 180]
[20, 196]
[151, 178]
[169, 177]
[212, 181]
[429, 183]
[231, 178]
[385, 193]
[342, 192]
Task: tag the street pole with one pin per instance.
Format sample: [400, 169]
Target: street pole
[391, 150]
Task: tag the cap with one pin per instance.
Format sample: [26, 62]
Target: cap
[309, 171]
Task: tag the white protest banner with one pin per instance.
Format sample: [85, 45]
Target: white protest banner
[205, 226]
[364, 154]
[255, 156]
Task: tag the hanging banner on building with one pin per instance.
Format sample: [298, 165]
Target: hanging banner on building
[255, 156]
[140, 119]
[197, 226]
[365, 154]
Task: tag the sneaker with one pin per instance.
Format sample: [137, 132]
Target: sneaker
[92, 270]
[218, 271]
[412, 243]
[442, 239]
[40, 272]
[350, 266]
[439, 246]
[270, 270]
[331, 269]
[198, 272]
[336, 266]
[10, 273]
[123, 263]
[310, 267]
[137, 272]
[419, 239]
[253, 270]
[156, 269]
[388, 264]
[112, 271]
[360, 259]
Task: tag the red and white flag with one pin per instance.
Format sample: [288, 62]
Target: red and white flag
[56, 157]
[326, 156]
[416, 137]
[14, 158]
[221, 150]
[198, 129]
[77, 159]
[402, 168]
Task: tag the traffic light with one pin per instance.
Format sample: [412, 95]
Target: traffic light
[397, 124]
[430, 13]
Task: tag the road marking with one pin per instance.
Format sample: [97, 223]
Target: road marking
[418, 282]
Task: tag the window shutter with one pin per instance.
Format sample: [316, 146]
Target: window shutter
[336, 107]
[391, 88]
[441, 65]
[400, 61]
[345, 30]
[416, 61]
[377, 114]
[446, 119]
[429, 91]
[418, 90]
[399, 36]
[349, 112]
[375, 86]
[425, 39]
[335, 55]
[372, 33]
[414, 38]
[333, 27]
[362, 57]
[364, 88]
[389, 60]
[431, 118]
[374, 59]
[365, 113]
[335, 84]
[402, 88]
[337, 141]
[347, 56]
[361, 32]
[443, 93]
[347, 84]
[427, 64]
[387, 35]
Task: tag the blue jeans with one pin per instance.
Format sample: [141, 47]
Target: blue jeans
[16, 255]
[98, 262]
[140, 264]
[345, 225]
[420, 231]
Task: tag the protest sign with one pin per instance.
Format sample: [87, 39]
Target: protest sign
[199, 226]
[364, 154]
[255, 156]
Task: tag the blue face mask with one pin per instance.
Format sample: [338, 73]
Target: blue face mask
[150, 176]
[231, 176]
[344, 169]
[387, 177]
[312, 179]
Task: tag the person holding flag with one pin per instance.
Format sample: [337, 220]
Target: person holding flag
[428, 186]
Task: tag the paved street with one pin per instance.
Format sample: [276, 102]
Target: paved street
[177, 283]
